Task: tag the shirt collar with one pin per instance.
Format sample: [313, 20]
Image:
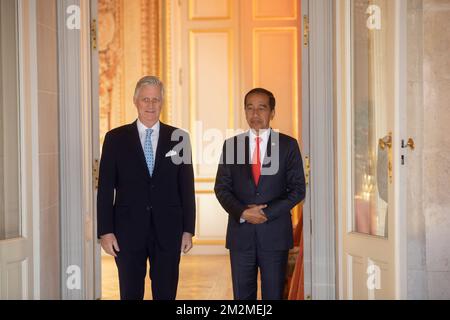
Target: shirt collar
[264, 135]
[141, 127]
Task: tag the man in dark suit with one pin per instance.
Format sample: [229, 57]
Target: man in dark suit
[146, 202]
[259, 180]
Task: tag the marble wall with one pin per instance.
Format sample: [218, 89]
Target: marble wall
[429, 165]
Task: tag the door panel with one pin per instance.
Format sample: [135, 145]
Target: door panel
[18, 152]
[17, 286]
[271, 58]
[372, 113]
[271, 10]
[209, 10]
[211, 72]
[283, 75]
[10, 217]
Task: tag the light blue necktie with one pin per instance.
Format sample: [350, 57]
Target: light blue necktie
[148, 151]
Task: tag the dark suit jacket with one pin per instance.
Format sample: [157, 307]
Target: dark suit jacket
[281, 187]
[129, 199]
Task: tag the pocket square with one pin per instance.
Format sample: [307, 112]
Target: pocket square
[171, 153]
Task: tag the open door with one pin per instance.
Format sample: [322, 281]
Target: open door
[18, 151]
[369, 77]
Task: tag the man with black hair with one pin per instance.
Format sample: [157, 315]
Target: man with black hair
[259, 180]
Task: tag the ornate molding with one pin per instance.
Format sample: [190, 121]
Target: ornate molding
[110, 60]
[150, 30]
[166, 27]
[146, 33]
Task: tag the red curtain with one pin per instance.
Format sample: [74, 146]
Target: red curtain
[296, 287]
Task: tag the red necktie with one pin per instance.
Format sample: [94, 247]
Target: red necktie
[256, 167]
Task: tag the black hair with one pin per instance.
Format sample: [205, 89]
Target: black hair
[272, 100]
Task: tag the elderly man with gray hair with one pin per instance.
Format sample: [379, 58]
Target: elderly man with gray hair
[146, 198]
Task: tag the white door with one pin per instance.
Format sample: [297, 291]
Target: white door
[18, 151]
[369, 154]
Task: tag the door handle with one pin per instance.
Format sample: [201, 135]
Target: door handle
[386, 143]
[410, 144]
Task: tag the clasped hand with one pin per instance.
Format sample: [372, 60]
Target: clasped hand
[255, 214]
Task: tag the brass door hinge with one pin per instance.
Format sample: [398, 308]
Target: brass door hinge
[305, 30]
[307, 169]
[95, 173]
[94, 34]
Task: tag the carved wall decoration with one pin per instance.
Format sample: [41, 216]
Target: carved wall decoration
[150, 37]
[135, 23]
[110, 59]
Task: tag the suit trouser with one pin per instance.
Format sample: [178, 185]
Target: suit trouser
[244, 271]
[164, 271]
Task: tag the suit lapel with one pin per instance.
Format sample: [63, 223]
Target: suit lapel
[267, 163]
[268, 154]
[163, 142]
[248, 160]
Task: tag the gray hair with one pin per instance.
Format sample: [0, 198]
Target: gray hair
[148, 81]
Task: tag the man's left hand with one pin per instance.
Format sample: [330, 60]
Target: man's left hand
[186, 242]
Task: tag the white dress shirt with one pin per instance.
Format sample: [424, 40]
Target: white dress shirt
[155, 135]
[264, 135]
